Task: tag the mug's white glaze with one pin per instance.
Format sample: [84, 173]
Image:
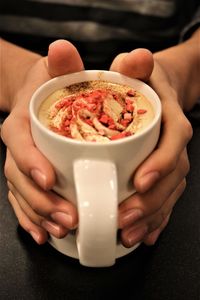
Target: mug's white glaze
[94, 176]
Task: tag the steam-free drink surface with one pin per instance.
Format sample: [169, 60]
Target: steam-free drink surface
[96, 111]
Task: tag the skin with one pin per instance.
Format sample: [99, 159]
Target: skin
[159, 181]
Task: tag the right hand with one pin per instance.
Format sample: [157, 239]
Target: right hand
[159, 180]
[29, 175]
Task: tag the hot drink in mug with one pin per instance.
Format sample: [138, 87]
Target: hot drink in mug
[95, 127]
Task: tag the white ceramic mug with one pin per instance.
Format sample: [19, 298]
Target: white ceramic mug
[96, 177]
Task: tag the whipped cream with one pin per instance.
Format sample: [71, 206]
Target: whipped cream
[96, 111]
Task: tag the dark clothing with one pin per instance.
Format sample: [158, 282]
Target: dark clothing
[100, 29]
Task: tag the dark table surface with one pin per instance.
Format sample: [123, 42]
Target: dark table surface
[170, 270]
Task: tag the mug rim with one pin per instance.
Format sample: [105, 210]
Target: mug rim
[55, 80]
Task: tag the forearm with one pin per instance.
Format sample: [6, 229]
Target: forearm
[15, 62]
[182, 64]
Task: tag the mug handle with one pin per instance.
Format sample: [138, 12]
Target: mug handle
[96, 191]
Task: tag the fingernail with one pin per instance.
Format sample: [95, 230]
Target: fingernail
[63, 219]
[35, 236]
[56, 42]
[51, 227]
[39, 178]
[147, 180]
[130, 216]
[136, 235]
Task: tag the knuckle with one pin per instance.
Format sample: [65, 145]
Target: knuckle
[8, 167]
[5, 128]
[39, 221]
[10, 197]
[26, 225]
[187, 128]
[158, 220]
[39, 209]
[15, 149]
[36, 219]
[182, 186]
[23, 221]
[10, 186]
[185, 165]
[163, 215]
[6, 170]
[21, 162]
[153, 226]
[171, 164]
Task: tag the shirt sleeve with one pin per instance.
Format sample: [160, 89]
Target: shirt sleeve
[191, 27]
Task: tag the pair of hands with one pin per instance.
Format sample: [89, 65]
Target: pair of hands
[159, 181]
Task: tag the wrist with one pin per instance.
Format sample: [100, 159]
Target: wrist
[181, 65]
[15, 64]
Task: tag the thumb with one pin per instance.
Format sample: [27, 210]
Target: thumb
[63, 58]
[137, 64]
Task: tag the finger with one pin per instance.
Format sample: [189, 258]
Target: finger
[56, 230]
[35, 218]
[139, 231]
[137, 64]
[176, 133]
[155, 221]
[63, 58]
[38, 233]
[29, 160]
[150, 202]
[153, 236]
[45, 204]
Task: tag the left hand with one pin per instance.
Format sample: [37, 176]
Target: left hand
[160, 179]
[30, 176]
